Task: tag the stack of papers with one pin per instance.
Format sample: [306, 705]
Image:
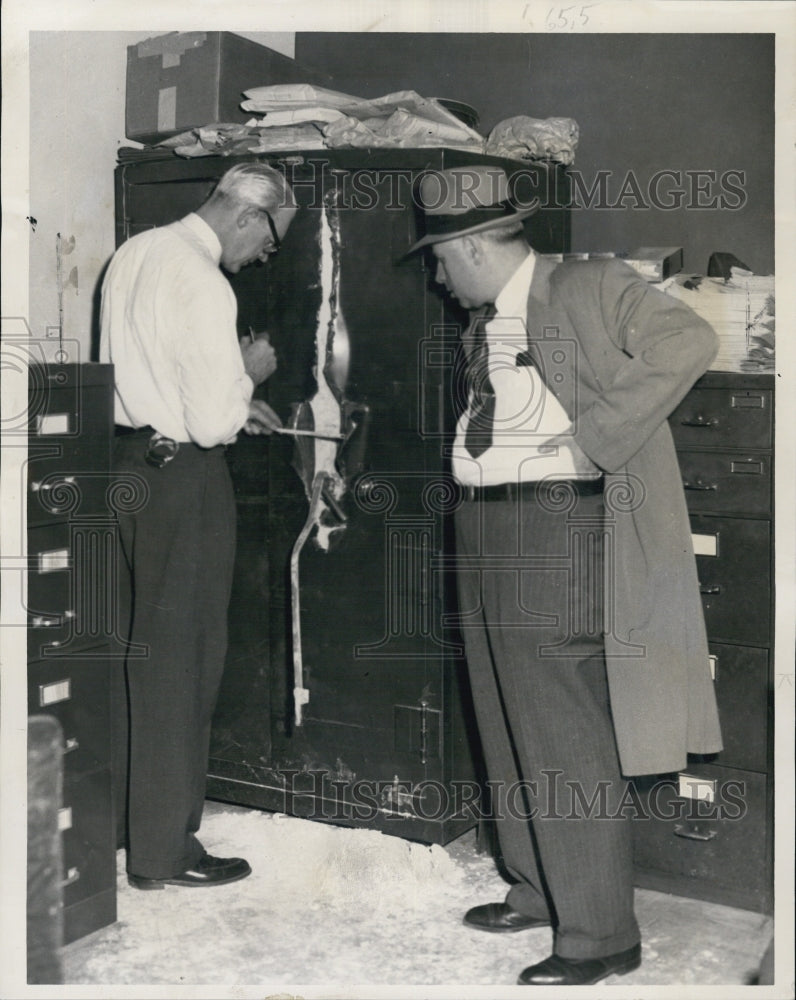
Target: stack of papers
[740, 310]
[402, 119]
[231, 139]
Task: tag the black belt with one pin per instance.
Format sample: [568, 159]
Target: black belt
[120, 430]
[160, 451]
[513, 492]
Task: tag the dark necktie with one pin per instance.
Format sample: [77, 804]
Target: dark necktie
[478, 436]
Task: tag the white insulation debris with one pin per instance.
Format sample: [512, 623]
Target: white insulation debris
[324, 404]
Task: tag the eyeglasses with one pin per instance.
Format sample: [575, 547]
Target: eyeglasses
[277, 243]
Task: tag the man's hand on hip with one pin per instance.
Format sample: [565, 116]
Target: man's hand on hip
[581, 462]
[259, 357]
[262, 419]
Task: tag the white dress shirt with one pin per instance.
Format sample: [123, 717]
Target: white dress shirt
[168, 326]
[526, 414]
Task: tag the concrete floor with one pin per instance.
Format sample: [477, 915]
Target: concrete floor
[352, 909]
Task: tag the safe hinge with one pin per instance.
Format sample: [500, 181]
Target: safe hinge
[418, 730]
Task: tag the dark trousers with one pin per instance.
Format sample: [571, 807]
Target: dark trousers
[531, 600]
[175, 581]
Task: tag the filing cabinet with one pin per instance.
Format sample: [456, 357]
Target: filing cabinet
[71, 616]
[708, 831]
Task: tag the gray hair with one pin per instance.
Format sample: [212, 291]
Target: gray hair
[255, 184]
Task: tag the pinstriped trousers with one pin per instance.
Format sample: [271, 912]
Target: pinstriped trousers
[531, 593]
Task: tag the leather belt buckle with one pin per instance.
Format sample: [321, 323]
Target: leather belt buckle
[160, 451]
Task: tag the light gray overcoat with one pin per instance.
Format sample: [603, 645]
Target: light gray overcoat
[620, 355]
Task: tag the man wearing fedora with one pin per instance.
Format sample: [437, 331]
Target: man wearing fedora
[578, 596]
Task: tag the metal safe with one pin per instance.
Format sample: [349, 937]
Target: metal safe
[345, 697]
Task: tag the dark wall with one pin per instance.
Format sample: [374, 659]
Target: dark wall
[698, 106]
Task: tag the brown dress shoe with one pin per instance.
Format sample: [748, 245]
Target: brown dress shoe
[499, 918]
[208, 871]
[558, 971]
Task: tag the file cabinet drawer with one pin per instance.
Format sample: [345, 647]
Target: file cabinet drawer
[724, 418]
[742, 693]
[70, 421]
[65, 482]
[726, 483]
[705, 828]
[75, 402]
[50, 605]
[89, 854]
[71, 600]
[78, 695]
[734, 565]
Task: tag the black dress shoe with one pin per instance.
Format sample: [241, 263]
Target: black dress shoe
[499, 918]
[208, 871]
[558, 971]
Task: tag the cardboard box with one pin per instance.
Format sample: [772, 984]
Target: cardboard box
[183, 80]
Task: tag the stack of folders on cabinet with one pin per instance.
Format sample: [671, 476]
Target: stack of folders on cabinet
[740, 310]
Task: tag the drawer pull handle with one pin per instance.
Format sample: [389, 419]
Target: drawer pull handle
[710, 589]
[43, 487]
[72, 876]
[700, 421]
[693, 833]
[40, 621]
[700, 487]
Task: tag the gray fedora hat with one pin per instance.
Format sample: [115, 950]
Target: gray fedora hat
[465, 200]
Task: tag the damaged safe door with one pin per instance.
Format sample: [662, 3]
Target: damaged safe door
[366, 687]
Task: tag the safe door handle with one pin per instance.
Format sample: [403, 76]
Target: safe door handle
[700, 421]
[333, 505]
[693, 833]
[699, 487]
[72, 876]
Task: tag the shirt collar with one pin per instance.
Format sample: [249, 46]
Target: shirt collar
[513, 297]
[206, 236]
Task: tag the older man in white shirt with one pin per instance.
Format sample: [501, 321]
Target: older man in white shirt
[184, 386]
